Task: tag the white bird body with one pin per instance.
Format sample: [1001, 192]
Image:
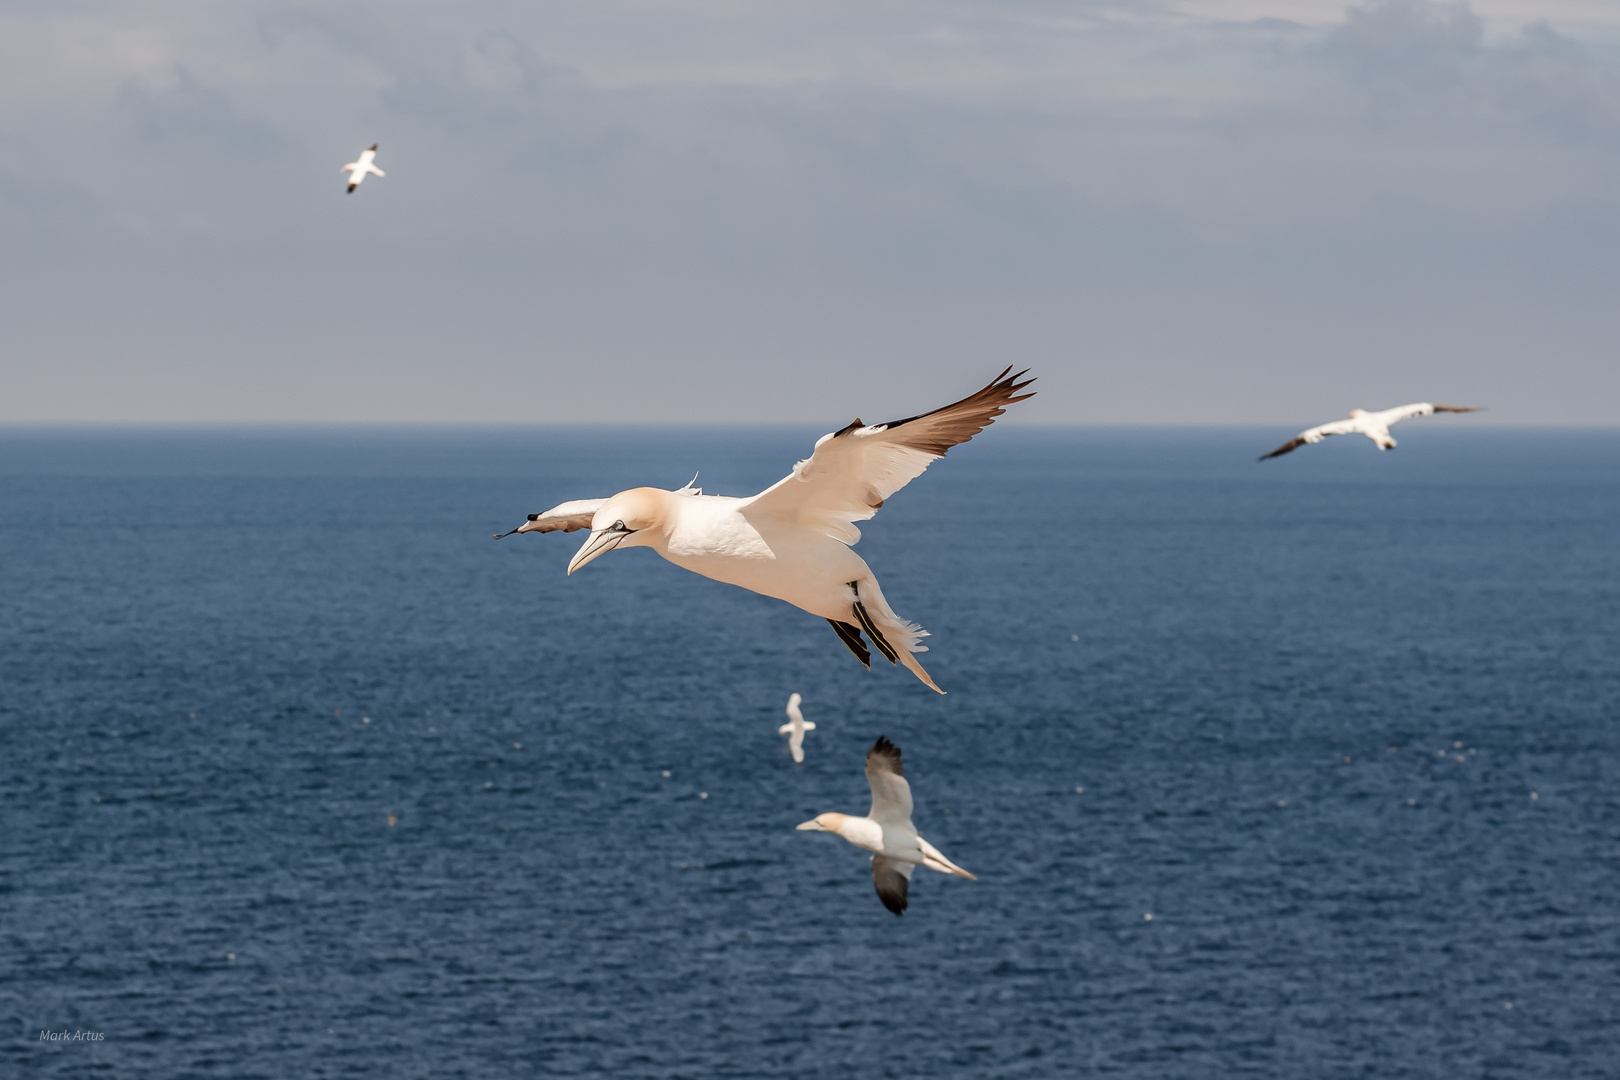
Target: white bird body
[720, 538]
[886, 830]
[359, 170]
[1374, 425]
[792, 541]
[795, 728]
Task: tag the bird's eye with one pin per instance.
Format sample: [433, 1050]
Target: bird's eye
[534, 517]
[618, 526]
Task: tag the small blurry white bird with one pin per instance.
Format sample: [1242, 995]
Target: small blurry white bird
[795, 727]
[1374, 425]
[357, 170]
[886, 830]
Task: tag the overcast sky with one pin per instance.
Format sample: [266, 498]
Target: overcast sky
[743, 210]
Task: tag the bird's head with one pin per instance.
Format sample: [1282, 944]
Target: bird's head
[626, 520]
[825, 823]
[1357, 414]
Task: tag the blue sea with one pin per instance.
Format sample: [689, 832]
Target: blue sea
[1308, 768]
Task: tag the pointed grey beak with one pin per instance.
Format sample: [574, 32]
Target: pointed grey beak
[601, 541]
[810, 826]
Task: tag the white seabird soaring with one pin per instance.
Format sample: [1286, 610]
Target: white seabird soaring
[792, 540]
[795, 727]
[357, 170]
[886, 830]
[1374, 425]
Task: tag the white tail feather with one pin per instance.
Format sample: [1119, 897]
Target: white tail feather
[900, 633]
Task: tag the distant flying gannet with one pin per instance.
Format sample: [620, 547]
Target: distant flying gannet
[796, 727]
[357, 170]
[1374, 425]
[792, 540]
[886, 830]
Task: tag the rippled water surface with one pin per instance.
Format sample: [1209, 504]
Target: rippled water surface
[303, 776]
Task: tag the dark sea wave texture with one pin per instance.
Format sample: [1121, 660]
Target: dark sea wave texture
[304, 776]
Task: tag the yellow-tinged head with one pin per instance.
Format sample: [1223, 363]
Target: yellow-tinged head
[825, 823]
[618, 522]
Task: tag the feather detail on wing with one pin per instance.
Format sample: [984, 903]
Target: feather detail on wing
[1312, 435]
[1404, 412]
[1421, 408]
[935, 859]
[565, 517]
[1291, 445]
[852, 471]
[891, 795]
[892, 879]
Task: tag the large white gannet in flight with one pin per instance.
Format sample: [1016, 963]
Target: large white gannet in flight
[886, 830]
[795, 729]
[792, 540]
[357, 170]
[1374, 425]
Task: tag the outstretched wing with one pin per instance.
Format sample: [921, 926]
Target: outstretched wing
[1420, 408]
[1312, 435]
[891, 878]
[853, 471]
[566, 517]
[1403, 412]
[891, 795]
[1288, 447]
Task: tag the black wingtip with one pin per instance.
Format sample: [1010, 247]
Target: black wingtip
[851, 636]
[889, 752]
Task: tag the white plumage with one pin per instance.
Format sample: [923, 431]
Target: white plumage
[886, 830]
[795, 729]
[1374, 425]
[792, 541]
[358, 170]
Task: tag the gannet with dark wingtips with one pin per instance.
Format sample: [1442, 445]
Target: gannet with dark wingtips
[1374, 425]
[357, 170]
[792, 540]
[795, 728]
[886, 830]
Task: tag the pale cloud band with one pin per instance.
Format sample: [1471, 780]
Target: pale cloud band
[605, 210]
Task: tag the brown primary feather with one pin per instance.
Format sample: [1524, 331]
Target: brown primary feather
[1291, 444]
[936, 432]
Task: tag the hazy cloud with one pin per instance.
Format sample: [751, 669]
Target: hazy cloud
[621, 209]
